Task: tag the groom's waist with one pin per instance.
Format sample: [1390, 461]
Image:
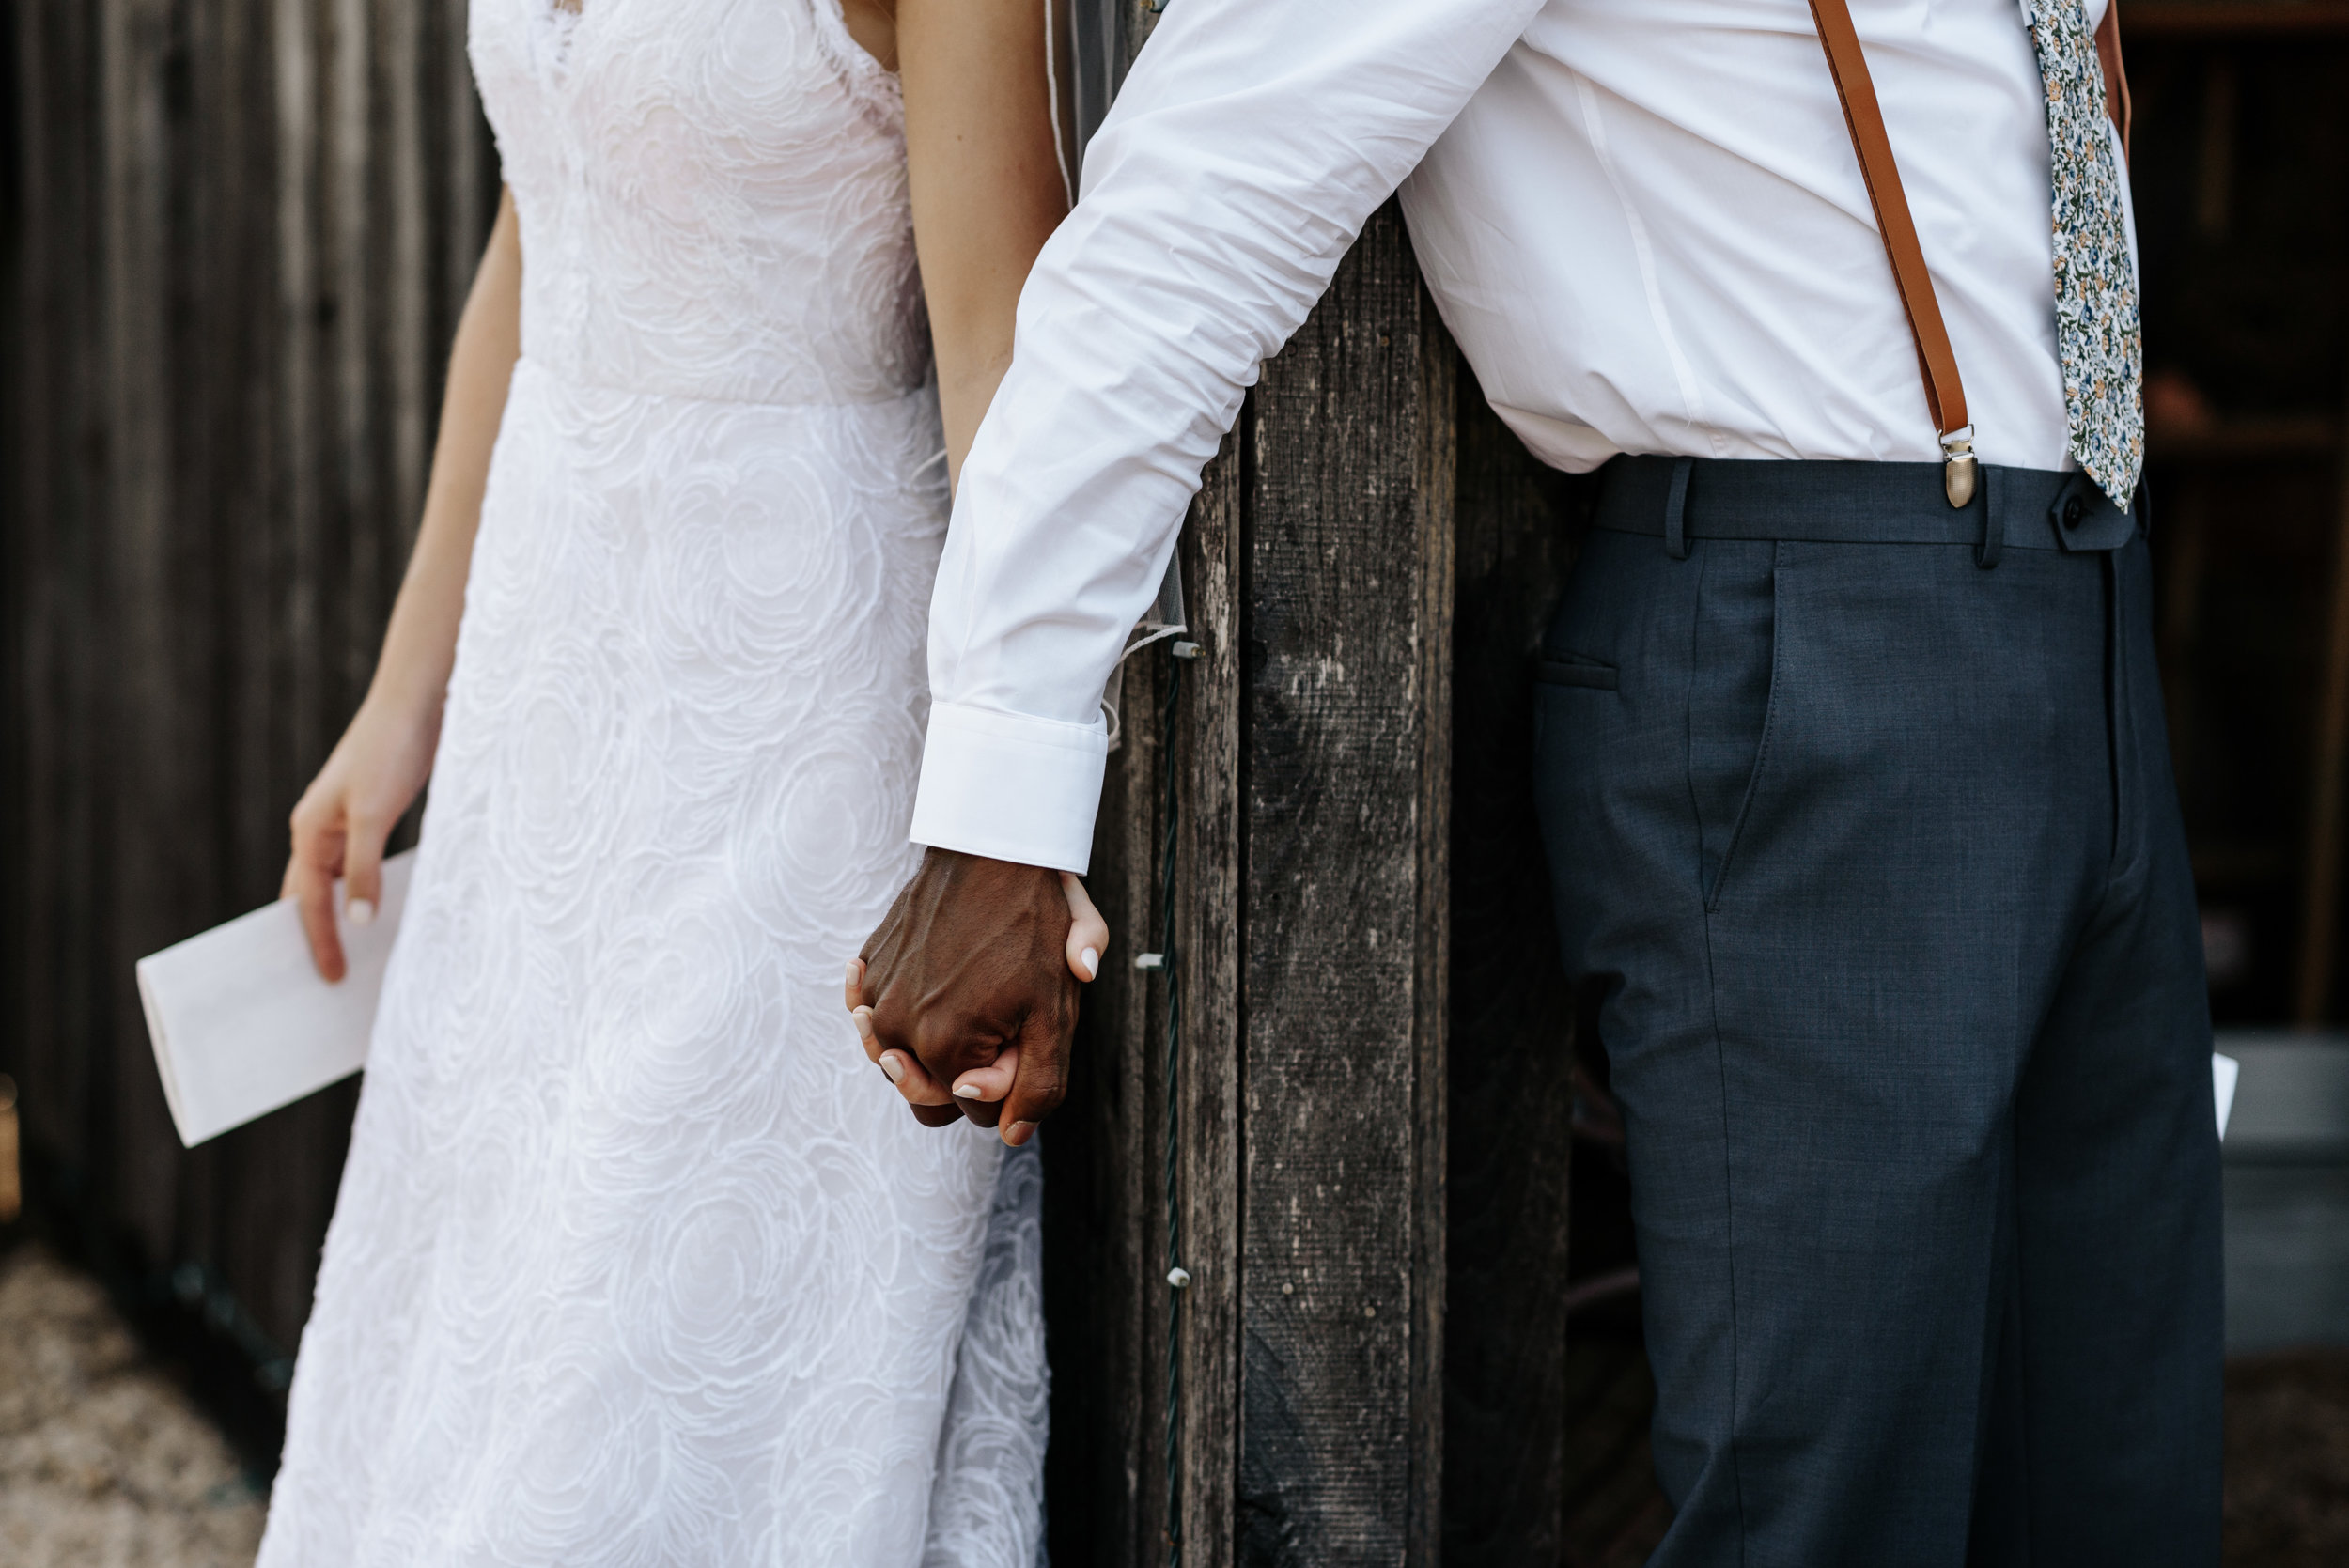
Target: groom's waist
[1682, 499]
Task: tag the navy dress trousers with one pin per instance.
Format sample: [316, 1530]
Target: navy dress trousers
[1860, 814]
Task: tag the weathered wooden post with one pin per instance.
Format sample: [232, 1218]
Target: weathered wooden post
[1307, 762]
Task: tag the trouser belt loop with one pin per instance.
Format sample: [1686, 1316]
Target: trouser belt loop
[1675, 509]
[1993, 543]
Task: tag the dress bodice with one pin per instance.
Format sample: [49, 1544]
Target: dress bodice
[712, 196]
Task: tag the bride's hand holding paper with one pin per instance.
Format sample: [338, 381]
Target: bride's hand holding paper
[242, 1022]
[343, 819]
[279, 1004]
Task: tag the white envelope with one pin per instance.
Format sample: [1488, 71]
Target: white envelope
[242, 1024]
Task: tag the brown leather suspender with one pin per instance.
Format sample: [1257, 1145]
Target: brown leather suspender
[2116, 74]
[1945, 393]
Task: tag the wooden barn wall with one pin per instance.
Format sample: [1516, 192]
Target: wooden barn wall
[1371, 1078]
[1371, 1073]
[238, 236]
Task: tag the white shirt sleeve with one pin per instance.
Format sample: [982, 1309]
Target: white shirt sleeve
[1246, 150]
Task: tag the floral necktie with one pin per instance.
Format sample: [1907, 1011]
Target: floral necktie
[2099, 339]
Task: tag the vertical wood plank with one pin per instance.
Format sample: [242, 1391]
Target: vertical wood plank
[406, 291]
[230, 131]
[1098, 1198]
[240, 294]
[294, 623]
[461, 172]
[1105, 1218]
[148, 754]
[1505, 1396]
[1332, 1468]
[1435, 537]
[200, 371]
[1209, 935]
[354, 287]
[54, 471]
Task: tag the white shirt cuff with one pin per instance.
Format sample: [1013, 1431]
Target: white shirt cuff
[1010, 787]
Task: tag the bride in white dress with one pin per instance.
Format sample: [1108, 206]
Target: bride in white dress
[637, 1260]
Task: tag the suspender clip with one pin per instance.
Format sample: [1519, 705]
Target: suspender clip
[1960, 474]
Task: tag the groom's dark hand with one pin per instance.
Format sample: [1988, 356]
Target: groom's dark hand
[966, 993]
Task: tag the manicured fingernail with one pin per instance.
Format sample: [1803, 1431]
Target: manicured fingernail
[894, 1068]
[1090, 961]
[966, 1091]
[1019, 1133]
[862, 1018]
[852, 971]
[361, 912]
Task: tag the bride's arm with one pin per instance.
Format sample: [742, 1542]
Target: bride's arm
[382, 759]
[986, 183]
[988, 191]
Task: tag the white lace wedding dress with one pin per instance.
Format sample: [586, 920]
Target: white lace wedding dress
[637, 1260]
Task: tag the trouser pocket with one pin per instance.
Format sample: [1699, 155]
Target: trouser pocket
[1653, 693]
[1573, 670]
[1732, 682]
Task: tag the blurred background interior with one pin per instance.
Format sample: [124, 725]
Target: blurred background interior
[236, 235]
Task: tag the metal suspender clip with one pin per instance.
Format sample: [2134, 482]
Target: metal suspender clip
[1960, 474]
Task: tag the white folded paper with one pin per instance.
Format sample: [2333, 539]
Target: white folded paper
[242, 1022]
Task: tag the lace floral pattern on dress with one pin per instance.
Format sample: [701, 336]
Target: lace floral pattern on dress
[636, 1260]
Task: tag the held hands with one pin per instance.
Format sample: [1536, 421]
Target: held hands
[342, 820]
[966, 994]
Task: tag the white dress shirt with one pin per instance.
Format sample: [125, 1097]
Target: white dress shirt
[1642, 219]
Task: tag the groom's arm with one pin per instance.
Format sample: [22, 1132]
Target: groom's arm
[1251, 143]
[1245, 152]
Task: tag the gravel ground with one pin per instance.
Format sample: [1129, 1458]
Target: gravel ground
[103, 1462]
[2288, 1461]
